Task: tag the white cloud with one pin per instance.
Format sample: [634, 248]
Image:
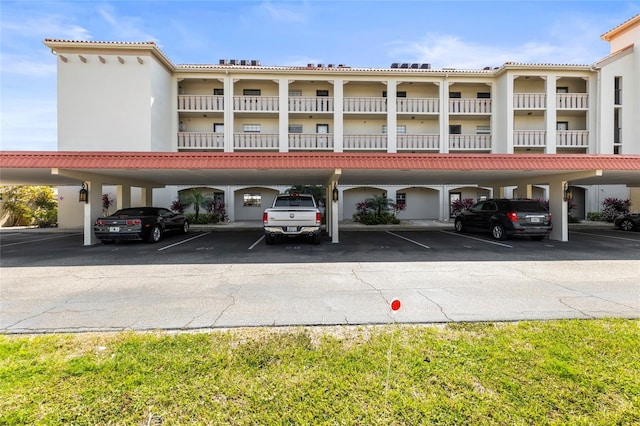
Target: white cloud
[51, 26]
[283, 15]
[125, 27]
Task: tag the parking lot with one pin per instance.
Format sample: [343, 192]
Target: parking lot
[211, 245]
[214, 278]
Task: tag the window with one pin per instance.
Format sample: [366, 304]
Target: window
[483, 130]
[295, 128]
[252, 200]
[218, 127]
[398, 94]
[562, 89]
[251, 128]
[322, 93]
[617, 87]
[251, 92]
[401, 198]
[295, 92]
[484, 95]
[455, 95]
[562, 125]
[455, 129]
[322, 128]
[401, 129]
[218, 92]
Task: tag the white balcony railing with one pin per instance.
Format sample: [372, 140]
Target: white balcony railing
[529, 138]
[469, 142]
[418, 105]
[200, 140]
[255, 141]
[572, 138]
[365, 104]
[419, 142]
[572, 101]
[313, 141]
[469, 106]
[310, 104]
[256, 103]
[529, 101]
[200, 103]
[365, 142]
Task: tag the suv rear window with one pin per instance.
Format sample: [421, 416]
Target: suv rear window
[528, 206]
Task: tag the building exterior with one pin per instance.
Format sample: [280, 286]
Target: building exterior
[130, 97]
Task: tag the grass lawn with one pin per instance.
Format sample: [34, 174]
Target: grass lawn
[525, 373]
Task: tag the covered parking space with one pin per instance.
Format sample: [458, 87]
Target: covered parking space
[148, 170]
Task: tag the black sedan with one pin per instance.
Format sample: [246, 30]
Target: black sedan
[139, 223]
[628, 222]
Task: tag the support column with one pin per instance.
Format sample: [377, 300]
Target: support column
[524, 190]
[551, 116]
[146, 197]
[338, 115]
[392, 117]
[92, 210]
[123, 197]
[283, 115]
[559, 211]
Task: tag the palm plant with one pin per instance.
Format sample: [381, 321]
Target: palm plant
[197, 199]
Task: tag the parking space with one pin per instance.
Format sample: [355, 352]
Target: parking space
[57, 248]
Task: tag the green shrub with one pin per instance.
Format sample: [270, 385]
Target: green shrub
[594, 216]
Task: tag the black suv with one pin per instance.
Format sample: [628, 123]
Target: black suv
[506, 218]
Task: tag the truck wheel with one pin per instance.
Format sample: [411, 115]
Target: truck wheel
[269, 239]
[316, 239]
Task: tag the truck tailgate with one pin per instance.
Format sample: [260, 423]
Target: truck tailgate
[291, 216]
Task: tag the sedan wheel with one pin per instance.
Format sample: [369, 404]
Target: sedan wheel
[497, 231]
[626, 225]
[155, 235]
[459, 225]
[185, 227]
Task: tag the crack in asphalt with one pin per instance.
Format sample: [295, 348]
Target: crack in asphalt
[438, 305]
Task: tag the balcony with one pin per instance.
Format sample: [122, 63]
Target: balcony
[572, 139]
[469, 106]
[200, 103]
[572, 101]
[365, 142]
[418, 105]
[419, 142]
[256, 103]
[311, 141]
[529, 101]
[255, 142]
[200, 141]
[470, 142]
[310, 104]
[368, 105]
[529, 138]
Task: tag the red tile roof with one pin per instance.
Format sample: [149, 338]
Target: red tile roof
[366, 161]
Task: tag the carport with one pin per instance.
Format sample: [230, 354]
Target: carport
[148, 170]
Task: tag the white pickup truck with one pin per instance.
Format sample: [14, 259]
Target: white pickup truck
[292, 215]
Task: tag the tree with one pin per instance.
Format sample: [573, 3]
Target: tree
[197, 199]
[30, 205]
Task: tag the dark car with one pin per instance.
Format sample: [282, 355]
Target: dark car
[139, 223]
[506, 218]
[628, 222]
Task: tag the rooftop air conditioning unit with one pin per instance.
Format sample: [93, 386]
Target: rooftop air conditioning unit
[224, 61]
[233, 61]
[415, 66]
[243, 62]
[405, 65]
[425, 66]
[255, 62]
[320, 66]
[395, 65]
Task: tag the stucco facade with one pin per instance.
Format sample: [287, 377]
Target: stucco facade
[131, 97]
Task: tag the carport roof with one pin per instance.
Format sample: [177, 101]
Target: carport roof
[191, 168]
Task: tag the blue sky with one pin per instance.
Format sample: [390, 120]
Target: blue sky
[458, 34]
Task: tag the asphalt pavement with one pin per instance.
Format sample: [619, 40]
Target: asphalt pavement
[200, 296]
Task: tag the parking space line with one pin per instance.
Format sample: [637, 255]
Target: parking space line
[606, 236]
[41, 239]
[478, 239]
[183, 241]
[408, 239]
[256, 243]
